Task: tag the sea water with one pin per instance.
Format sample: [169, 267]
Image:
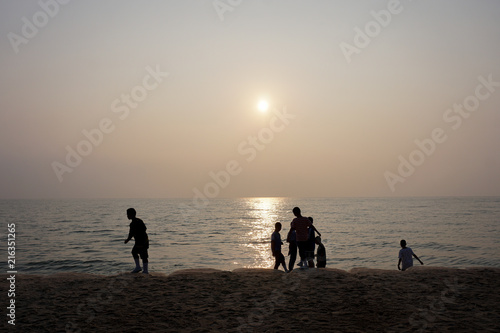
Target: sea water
[78, 235]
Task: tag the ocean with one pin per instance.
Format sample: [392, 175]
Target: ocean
[83, 235]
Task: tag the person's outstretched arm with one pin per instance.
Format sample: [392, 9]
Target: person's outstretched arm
[314, 228]
[418, 259]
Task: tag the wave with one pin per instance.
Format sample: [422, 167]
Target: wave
[84, 266]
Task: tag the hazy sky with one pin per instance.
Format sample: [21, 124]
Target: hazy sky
[159, 98]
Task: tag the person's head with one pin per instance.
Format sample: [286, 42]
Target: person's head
[296, 211]
[317, 240]
[131, 213]
[403, 243]
[277, 226]
[310, 219]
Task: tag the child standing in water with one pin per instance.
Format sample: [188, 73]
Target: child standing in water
[276, 247]
[138, 231]
[321, 255]
[405, 256]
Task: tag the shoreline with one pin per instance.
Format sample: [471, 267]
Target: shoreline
[208, 270]
[262, 300]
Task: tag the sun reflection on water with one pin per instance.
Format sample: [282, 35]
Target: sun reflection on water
[262, 215]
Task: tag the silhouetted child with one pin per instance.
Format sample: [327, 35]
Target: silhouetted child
[311, 243]
[405, 256]
[321, 254]
[276, 247]
[292, 248]
[138, 231]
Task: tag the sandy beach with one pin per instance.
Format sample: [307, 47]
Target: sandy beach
[429, 299]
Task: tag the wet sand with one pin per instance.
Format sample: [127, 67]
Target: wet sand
[429, 299]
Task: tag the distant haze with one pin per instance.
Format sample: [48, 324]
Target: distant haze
[143, 99]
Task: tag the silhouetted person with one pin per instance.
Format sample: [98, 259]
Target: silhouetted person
[405, 256]
[138, 232]
[276, 247]
[311, 243]
[291, 238]
[321, 254]
[301, 226]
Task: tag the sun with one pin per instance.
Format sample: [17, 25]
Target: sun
[263, 105]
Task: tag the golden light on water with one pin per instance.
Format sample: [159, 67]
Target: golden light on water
[263, 215]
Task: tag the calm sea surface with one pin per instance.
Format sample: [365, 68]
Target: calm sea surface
[87, 235]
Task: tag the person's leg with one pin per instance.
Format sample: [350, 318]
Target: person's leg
[135, 255]
[302, 253]
[145, 261]
[283, 263]
[293, 255]
[310, 254]
[310, 262]
[276, 262]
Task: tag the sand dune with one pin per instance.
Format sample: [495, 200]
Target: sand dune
[429, 299]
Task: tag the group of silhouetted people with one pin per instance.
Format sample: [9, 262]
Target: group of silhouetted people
[301, 237]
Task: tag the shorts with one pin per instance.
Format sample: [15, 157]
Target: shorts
[140, 250]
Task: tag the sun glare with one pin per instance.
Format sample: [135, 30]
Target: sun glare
[263, 106]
